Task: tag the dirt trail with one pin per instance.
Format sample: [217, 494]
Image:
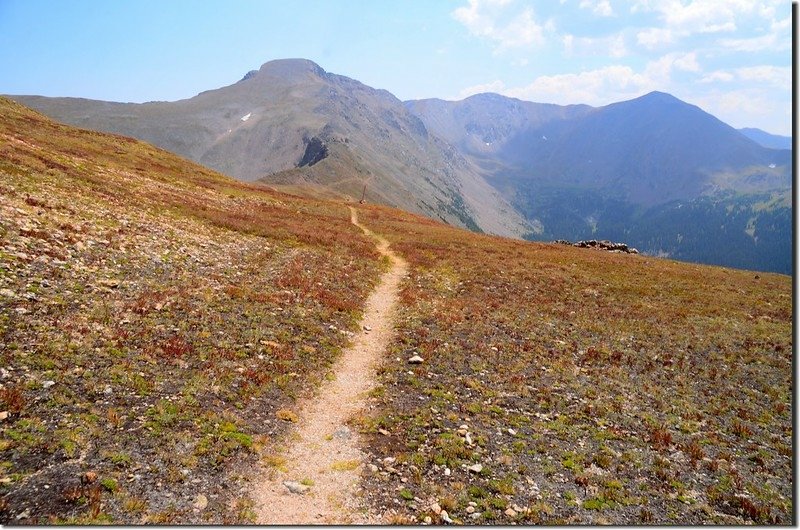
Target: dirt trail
[324, 452]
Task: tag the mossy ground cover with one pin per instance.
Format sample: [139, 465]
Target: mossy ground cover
[574, 386]
[154, 318]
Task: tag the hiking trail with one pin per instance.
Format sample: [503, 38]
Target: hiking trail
[324, 456]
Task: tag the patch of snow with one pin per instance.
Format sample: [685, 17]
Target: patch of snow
[247, 116]
[544, 138]
[488, 143]
[772, 166]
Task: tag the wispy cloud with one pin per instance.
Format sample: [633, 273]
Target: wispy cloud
[599, 7]
[611, 46]
[501, 22]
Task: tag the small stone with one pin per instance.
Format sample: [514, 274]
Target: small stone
[475, 515]
[476, 468]
[445, 517]
[8, 293]
[427, 519]
[108, 390]
[373, 468]
[3, 415]
[435, 508]
[90, 477]
[468, 439]
[367, 329]
[200, 502]
[24, 515]
[512, 432]
[472, 503]
[447, 472]
[296, 487]
[416, 359]
[511, 512]
[470, 509]
[383, 432]
[48, 384]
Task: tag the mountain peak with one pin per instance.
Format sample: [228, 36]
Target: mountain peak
[291, 67]
[659, 97]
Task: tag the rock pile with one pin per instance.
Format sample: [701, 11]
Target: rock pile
[603, 244]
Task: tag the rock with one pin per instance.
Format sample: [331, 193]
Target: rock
[3, 415]
[512, 432]
[342, 433]
[200, 502]
[468, 439]
[435, 508]
[367, 329]
[476, 468]
[48, 384]
[470, 509]
[416, 359]
[8, 293]
[427, 519]
[107, 390]
[296, 487]
[383, 432]
[373, 468]
[447, 472]
[90, 477]
[510, 512]
[24, 515]
[445, 517]
[475, 515]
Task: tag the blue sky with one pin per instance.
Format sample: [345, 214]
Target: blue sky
[730, 57]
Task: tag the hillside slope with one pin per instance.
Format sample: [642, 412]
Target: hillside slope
[656, 172]
[292, 114]
[155, 317]
[573, 386]
[158, 322]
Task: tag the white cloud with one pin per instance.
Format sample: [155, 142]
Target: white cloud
[495, 21]
[599, 7]
[772, 75]
[717, 76]
[593, 87]
[761, 75]
[612, 46]
[769, 41]
[682, 19]
[660, 70]
[655, 37]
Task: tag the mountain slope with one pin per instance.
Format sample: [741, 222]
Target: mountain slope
[159, 322]
[613, 172]
[291, 114]
[154, 318]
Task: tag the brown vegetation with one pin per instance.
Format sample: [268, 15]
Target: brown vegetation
[154, 318]
[591, 387]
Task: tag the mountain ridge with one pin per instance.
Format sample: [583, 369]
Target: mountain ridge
[488, 162]
[261, 126]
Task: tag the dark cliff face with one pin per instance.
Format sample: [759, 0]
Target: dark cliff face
[316, 150]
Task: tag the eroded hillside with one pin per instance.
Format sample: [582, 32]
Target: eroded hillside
[157, 321]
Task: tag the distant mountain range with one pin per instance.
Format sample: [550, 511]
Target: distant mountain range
[773, 141]
[291, 122]
[655, 172]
